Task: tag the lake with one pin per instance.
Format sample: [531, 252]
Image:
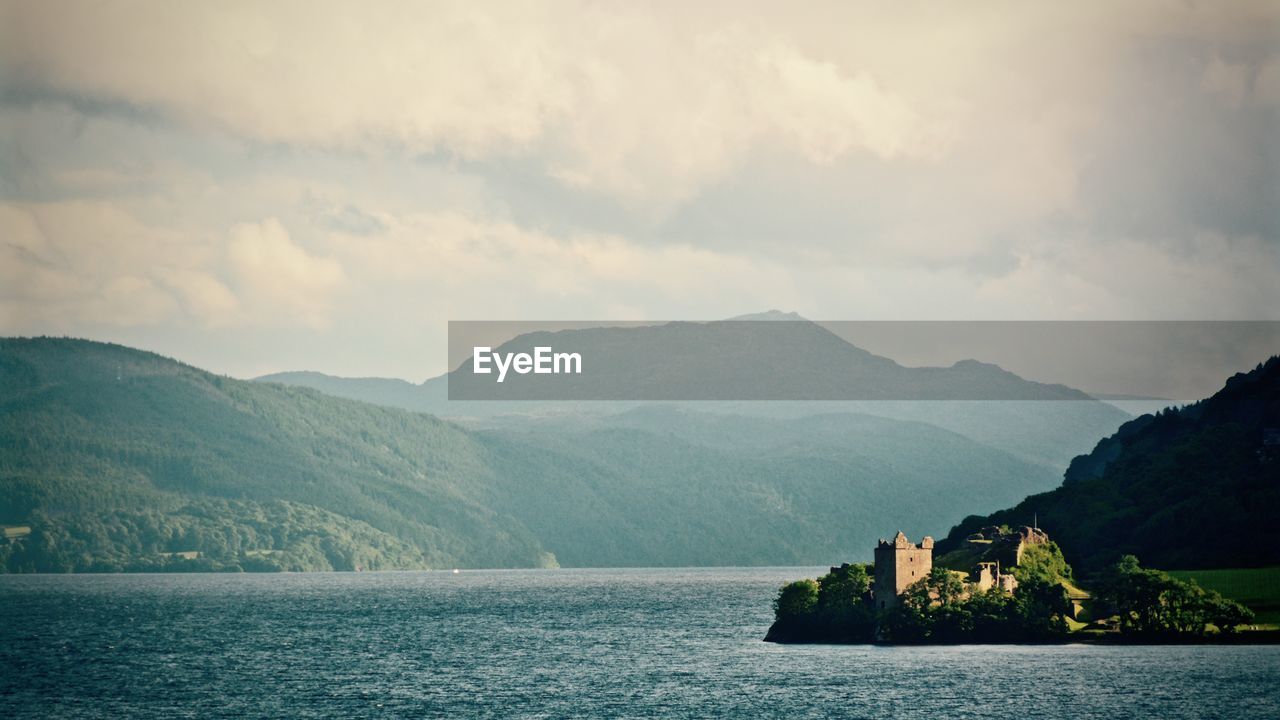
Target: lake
[545, 643]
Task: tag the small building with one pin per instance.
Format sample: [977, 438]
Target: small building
[182, 555]
[12, 532]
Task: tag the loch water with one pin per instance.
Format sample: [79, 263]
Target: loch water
[546, 643]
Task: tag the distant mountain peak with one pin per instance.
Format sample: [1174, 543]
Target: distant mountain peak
[771, 315]
[971, 363]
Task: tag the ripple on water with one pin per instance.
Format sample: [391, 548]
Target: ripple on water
[638, 643]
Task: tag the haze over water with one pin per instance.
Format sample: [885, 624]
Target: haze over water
[630, 643]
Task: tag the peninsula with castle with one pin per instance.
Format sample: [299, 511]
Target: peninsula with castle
[1191, 489]
[1000, 585]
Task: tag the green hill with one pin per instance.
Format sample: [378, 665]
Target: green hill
[666, 485]
[118, 459]
[1188, 488]
[93, 434]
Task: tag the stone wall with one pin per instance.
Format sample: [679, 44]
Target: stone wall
[899, 563]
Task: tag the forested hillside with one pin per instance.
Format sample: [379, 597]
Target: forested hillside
[1192, 487]
[97, 441]
[118, 459]
[665, 485]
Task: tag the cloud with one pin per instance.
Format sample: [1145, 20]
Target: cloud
[524, 269]
[77, 264]
[319, 181]
[644, 105]
[829, 113]
[280, 276]
[1085, 277]
[1228, 79]
[204, 297]
[354, 221]
[1267, 82]
[661, 117]
[625, 101]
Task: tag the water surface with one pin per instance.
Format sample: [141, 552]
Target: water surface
[545, 643]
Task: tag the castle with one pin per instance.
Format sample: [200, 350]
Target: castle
[899, 563]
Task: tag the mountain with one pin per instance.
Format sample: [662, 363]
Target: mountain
[736, 360]
[113, 455]
[667, 485]
[771, 315]
[767, 356]
[1186, 488]
[686, 361]
[117, 458]
[379, 391]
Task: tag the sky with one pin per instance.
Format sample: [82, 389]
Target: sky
[258, 187]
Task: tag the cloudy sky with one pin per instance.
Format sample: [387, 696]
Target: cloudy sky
[261, 187]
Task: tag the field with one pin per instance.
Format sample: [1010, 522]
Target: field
[1259, 588]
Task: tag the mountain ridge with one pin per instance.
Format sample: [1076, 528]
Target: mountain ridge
[263, 475]
[1186, 488]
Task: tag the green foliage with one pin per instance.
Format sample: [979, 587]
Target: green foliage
[1191, 488]
[796, 600]
[89, 429]
[1152, 603]
[843, 612]
[113, 455]
[844, 587]
[832, 609]
[1043, 562]
[660, 486]
[940, 586]
[936, 610]
[1256, 588]
[226, 534]
[1042, 607]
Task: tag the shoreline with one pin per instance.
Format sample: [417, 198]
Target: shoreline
[1244, 637]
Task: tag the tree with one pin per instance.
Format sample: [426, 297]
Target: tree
[1044, 561]
[1227, 615]
[1042, 607]
[843, 610]
[796, 600]
[996, 616]
[940, 586]
[1149, 602]
[844, 587]
[931, 609]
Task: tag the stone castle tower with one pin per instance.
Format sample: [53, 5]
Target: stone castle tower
[898, 564]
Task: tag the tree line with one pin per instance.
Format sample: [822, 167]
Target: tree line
[940, 608]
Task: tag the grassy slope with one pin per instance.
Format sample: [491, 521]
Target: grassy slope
[1258, 588]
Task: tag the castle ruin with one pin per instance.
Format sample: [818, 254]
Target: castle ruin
[987, 575]
[899, 563]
